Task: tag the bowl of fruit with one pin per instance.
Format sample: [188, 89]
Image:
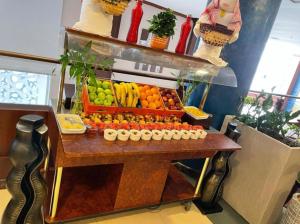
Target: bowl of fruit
[99, 96]
[171, 101]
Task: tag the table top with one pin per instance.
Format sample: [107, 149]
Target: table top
[80, 149]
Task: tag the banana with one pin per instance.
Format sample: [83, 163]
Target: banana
[123, 95]
[129, 95]
[125, 87]
[118, 91]
[136, 89]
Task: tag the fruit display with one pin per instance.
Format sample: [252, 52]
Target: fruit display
[127, 94]
[126, 127]
[128, 118]
[195, 112]
[170, 99]
[101, 93]
[150, 97]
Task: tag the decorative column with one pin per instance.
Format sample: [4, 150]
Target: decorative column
[243, 56]
[24, 182]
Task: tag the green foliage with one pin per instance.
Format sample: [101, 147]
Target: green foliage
[271, 121]
[83, 64]
[163, 24]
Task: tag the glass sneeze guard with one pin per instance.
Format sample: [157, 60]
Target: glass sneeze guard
[186, 66]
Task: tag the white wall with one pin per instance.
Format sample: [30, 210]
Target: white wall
[194, 7]
[149, 11]
[30, 26]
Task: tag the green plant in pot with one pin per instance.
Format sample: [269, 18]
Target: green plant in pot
[259, 112]
[162, 28]
[83, 65]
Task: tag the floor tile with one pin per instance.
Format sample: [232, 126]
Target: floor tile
[177, 215]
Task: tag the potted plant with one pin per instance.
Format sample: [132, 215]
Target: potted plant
[264, 171]
[162, 28]
[114, 7]
[83, 65]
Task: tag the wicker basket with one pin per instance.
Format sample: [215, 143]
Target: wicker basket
[159, 42]
[292, 214]
[216, 35]
[116, 8]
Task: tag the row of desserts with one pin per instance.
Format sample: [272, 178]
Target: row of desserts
[146, 135]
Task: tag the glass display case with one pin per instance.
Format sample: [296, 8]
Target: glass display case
[126, 56]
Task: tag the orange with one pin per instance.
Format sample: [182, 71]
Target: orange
[150, 99]
[152, 105]
[156, 97]
[143, 96]
[154, 90]
[158, 103]
[141, 88]
[148, 92]
[144, 103]
[146, 87]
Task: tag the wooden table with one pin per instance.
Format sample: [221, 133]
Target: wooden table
[92, 176]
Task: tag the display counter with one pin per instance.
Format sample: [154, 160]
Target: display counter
[92, 176]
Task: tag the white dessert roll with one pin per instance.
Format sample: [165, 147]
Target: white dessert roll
[146, 135]
[177, 134]
[135, 135]
[185, 134]
[157, 135]
[123, 135]
[194, 134]
[110, 134]
[202, 134]
[167, 134]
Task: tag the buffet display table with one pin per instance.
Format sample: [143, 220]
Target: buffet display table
[95, 177]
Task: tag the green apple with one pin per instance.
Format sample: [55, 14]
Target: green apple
[99, 90]
[99, 101]
[101, 95]
[91, 89]
[92, 96]
[107, 103]
[106, 85]
[108, 92]
[99, 83]
[110, 98]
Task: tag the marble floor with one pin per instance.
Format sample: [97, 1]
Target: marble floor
[168, 214]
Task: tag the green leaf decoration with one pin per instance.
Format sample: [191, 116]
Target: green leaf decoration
[163, 24]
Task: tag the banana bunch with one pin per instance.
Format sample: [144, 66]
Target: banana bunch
[127, 94]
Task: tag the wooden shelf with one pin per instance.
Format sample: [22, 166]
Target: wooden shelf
[87, 191]
[177, 187]
[92, 191]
